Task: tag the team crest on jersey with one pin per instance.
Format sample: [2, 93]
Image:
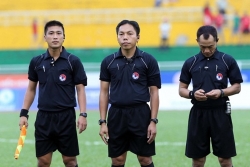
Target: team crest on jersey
[219, 76]
[135, 75]
[62, 77]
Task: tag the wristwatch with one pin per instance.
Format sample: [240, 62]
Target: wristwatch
[83, 114]
[101, 121]
[222, 93]
[155, 120]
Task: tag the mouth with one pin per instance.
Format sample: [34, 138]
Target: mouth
[125, 43]
[55, 42]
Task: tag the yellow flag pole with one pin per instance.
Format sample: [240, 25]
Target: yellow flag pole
[20, 142]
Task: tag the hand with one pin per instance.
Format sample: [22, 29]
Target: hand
[104, 133]
[151, 132]
[200, 95]
[23, 121]
[214, 94]
[81, 124]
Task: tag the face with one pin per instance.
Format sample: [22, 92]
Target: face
[207, 46]
[54, 37]
[127, 37]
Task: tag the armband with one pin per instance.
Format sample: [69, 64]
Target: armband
[24, 113]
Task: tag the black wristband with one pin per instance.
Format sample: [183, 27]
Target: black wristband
[24, 113]
[191, 95]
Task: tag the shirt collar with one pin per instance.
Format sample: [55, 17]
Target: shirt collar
[138, 53]
[214, 56]
[63, 54]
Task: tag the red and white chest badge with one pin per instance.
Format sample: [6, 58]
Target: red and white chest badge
[62, 77]
[219, 76]
[135, 75]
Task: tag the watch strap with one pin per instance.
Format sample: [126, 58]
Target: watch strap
[83, 114]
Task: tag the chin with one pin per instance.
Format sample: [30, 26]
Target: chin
[55, 47]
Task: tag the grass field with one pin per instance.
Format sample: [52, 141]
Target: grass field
[170, 142]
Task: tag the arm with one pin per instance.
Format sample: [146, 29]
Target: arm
[183, 90]
[185, 93]
[231, 90]
[28, 100]
[81, 97]
[154, 105]
[103, 106]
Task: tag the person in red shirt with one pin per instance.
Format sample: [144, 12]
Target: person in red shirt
[208, 17]
[245, 28]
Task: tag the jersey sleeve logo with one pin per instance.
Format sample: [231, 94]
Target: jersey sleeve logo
[219, 76]
[62, 77]
[135, 75]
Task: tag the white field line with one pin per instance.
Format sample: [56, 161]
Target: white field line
[97, 143]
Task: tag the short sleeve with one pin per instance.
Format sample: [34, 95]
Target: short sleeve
[104, 73]
[32, 75]
[185, 75]
[79, 74]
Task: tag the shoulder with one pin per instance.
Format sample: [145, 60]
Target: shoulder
[226, 57]
[37, 59]
[193, 59]
[110, 57]
[146, 56]
[73, 57]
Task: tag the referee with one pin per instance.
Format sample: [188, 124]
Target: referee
[209, 118]
[58, 74]
[129, 79]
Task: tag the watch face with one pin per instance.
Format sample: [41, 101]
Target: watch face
[83, 114]
[101, 121]
[155, 120]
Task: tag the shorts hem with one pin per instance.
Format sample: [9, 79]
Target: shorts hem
[144, 155]
[225, 156]
[45, 153]
[197, 156]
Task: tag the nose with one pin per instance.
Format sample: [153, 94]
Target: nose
[125, 36]
[55, 36]
[206, 50]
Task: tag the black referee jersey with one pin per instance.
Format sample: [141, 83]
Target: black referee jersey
[57, 80]
[130, 78]
[210, 73]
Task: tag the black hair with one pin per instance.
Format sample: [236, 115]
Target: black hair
[131, 22]
[206, 31]
[53, 23]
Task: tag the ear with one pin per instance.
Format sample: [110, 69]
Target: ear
[217, 39]
[138, 36]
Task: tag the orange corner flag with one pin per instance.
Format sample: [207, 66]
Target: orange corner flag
[20, 142]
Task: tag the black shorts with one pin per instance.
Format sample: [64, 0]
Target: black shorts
[127, 128]
[56, 131]
[207, 125]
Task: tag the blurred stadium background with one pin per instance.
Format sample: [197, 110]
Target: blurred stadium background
[90, 34]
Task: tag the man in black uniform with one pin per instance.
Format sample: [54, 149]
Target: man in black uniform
[129, 79]
[210, 116]
[58, 73]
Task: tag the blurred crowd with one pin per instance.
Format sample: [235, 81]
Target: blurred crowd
[240, 27]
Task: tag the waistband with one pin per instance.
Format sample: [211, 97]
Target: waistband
[128, 106]
[58, 111]
[209, 107]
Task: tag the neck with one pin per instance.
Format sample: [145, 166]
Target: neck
[55, 52]
[128, 53]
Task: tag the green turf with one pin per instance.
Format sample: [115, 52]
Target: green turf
[170, 142]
